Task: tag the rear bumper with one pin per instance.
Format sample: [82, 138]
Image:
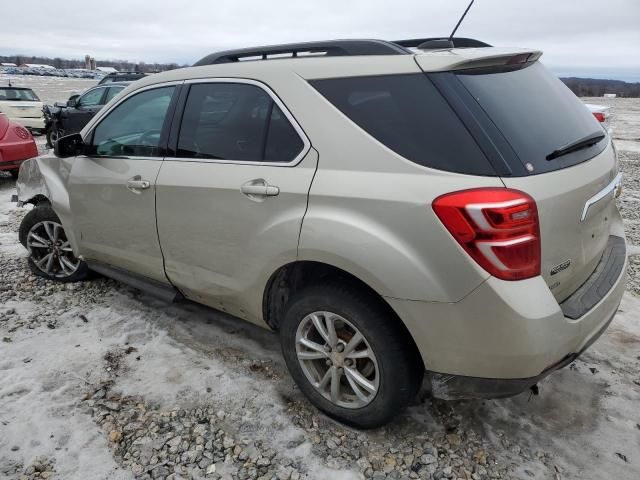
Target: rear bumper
[12, 154]
[36, 123]
[453, 387]
[505, 336]
[6, 166]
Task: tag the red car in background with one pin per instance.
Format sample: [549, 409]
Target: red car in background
[16, 145]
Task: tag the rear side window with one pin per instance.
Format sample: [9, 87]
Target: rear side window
[408, 115]
[112, 92]
[536, 113]
[236, 121]
[91, 98]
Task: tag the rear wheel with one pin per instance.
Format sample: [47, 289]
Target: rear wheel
[53, 133]
[50, 253]
[347, 353]
[14, 173]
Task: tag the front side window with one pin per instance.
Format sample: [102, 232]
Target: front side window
[236, 121]
[133, 128]
[91, 98]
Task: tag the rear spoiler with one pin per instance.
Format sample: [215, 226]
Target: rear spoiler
[475, 58]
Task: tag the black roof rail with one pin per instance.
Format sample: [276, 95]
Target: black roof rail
[441, 43]
[330, 48]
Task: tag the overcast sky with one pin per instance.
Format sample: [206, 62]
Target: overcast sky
[597, 36]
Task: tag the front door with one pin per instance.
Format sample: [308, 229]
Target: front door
[86, 107]
[112, 188]
[231, 202]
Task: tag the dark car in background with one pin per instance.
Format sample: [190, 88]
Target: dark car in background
[71, 118]
[122, 77]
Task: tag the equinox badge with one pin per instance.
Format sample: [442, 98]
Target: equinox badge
[558, 268]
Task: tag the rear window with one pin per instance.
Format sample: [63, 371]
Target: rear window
[536, 113]
[18, 94]
[408, 115]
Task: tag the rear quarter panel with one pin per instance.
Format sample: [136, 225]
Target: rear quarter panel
[370, 213]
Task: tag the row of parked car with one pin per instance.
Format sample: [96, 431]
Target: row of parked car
[53, 72]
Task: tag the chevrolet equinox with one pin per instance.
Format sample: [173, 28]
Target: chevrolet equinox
[390, 208]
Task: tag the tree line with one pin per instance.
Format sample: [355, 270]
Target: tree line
[582, 87]
[63, 63]
[593, 87]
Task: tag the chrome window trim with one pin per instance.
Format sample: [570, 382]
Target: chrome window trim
[306, 143]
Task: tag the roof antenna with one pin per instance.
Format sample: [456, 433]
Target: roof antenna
[445, 43]
[459, 22]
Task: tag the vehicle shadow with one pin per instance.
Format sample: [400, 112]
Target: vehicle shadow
[569, 404]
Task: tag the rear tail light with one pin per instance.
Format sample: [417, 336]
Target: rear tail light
[497, 227]
[600, 116]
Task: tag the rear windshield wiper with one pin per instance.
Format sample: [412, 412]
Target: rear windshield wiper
[580, 144]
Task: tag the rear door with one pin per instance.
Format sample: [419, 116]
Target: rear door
[112, 187]
[539, 125]
[232, 195]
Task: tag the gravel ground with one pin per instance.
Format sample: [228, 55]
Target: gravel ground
[102, 382]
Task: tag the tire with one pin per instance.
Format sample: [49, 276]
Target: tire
[50, 254]
[14, 173]
[394, 370]
[52, 135]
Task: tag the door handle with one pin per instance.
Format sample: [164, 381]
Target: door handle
[136, 183]
[259, 188]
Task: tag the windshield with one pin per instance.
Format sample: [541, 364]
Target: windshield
[537, 115]
[18, 94]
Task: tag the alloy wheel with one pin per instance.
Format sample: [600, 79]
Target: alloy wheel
[337, 360]
[51, 251]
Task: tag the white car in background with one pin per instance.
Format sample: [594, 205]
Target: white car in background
[22, 106]
[602, 114]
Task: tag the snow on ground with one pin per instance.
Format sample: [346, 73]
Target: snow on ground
[102, 382]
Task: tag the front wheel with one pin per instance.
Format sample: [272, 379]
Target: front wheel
[50, 253]
[349, 355]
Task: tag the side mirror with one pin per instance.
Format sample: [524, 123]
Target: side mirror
[73, 101]
[69, 146]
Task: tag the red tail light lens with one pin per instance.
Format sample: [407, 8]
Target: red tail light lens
[497, 227]
[599, 116]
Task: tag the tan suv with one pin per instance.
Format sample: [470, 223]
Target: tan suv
[388, 207]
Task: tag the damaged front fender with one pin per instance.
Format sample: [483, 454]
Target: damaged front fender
[45, 179]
